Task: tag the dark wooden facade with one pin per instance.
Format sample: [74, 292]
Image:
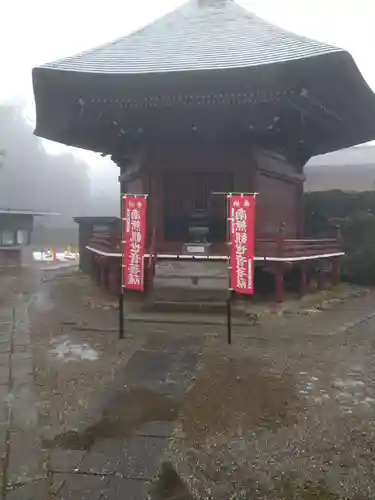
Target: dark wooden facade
[102, 233]
[184, 178]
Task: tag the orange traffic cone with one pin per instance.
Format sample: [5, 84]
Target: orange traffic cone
[54, 257]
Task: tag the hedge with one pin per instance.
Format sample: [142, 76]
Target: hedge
[355, 213]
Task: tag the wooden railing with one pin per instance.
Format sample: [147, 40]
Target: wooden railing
[285, 247]
[105, 240]
[306, 247]
[110, 241]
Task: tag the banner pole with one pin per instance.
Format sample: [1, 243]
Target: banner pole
[121, 315]
[229, 226]
[121, 296]
[230, 294]
[229, 317]
[134, 279]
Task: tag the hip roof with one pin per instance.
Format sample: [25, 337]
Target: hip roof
[217, 35]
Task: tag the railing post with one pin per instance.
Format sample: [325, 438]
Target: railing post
[281, 240]
[338, 234]
[279, 283]
[336, 268]
[336, 271]
[303, 280]
[320, 276]
[279, 271]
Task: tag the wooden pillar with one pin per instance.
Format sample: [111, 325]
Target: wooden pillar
[338, 234]
[320, 277]
[279, 284]
[158, 207]
[149, 275]
[103, 276]
[303, 281]
[84, 235]
[279, 272]
[336, 267]
[281, 238]
[97, 270]
[92, 268]
[336, 271]
[308, 278]
[114, 278]
[300, 215]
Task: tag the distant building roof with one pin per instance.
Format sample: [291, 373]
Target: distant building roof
[16, 211]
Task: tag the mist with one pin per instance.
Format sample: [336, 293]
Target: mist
[31, 178]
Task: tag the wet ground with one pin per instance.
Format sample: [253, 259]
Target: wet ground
[172, 412]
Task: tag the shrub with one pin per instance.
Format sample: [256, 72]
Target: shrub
[355, 214]
[358, 239]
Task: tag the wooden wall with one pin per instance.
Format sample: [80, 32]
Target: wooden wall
[280, 188]
[176, 167]
[185, 167]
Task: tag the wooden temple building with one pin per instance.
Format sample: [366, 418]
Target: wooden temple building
[208, 99]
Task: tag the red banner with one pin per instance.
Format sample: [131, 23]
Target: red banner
[134, 235]
[241, 239]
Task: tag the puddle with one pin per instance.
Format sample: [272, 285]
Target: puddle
[348, 383]
[125, 414]
[169, 485]
[65, 350]
[232, 397]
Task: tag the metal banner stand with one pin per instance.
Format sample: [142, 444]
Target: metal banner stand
[121, 315]
[229, 316]
[121, 296]
[230, 289]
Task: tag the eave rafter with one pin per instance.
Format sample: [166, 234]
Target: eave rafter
[115, 125]
[313, 110]
[307, 96]
[124, 116]
[188, 100]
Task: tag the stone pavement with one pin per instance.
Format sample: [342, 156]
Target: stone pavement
[177, 393]
[21, 461]
[120, 453]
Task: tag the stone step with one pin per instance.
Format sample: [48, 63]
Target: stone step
[202, 301]
[191, 275]
[180, 294]
[186, 307]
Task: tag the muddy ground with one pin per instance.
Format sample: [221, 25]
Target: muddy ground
[173, 412]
